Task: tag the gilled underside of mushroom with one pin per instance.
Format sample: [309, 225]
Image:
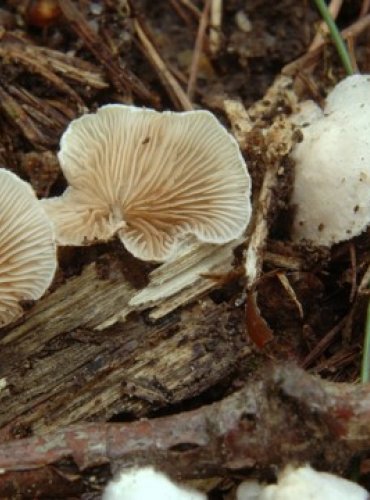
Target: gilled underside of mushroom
[27, 248]
[152, 178]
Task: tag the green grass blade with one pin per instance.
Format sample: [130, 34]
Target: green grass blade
[336, 36]
[365, 366]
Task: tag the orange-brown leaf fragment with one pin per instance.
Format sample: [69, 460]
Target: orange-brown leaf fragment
[257, 328]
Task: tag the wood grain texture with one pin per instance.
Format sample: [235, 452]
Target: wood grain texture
[56, 369]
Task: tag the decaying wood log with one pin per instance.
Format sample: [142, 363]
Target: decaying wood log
[282, 414]
[43, 119]
[71, 68]
[70, 359]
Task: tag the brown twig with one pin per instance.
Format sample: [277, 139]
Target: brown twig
[41, 111]
[334, 9]
[17, 114]
[182, 13]
[313, 420]
[351, 42]
[307, 59]
[178, 97]
[364, 8]
[339, 360]
[323, 343]
[282, 277]
[192, 8]
[122, 78]
[72, 68]
[215, 26]
[199, 41]
[16, 53]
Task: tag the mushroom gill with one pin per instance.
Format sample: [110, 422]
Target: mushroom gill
[27, 247]
[155, 179]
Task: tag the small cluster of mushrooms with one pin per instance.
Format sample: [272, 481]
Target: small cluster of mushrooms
[159, 181]
[162, 182]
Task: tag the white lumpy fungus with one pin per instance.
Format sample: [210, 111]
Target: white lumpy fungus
[147, 484]
[303, 483]
[153, 179]
[332, 165]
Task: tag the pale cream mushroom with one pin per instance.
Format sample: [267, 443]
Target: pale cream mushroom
[27, 247]
[154, 179]
[332, 165]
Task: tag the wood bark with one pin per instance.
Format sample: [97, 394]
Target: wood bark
[61, 365]
[283, 414]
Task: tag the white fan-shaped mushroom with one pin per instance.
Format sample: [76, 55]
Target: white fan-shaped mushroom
[27, 248]
[153, 178]
[332, 182]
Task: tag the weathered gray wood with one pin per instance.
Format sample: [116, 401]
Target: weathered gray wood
[56, 368]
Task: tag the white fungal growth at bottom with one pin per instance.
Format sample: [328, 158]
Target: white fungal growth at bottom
[147, 484]
[303, 483]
